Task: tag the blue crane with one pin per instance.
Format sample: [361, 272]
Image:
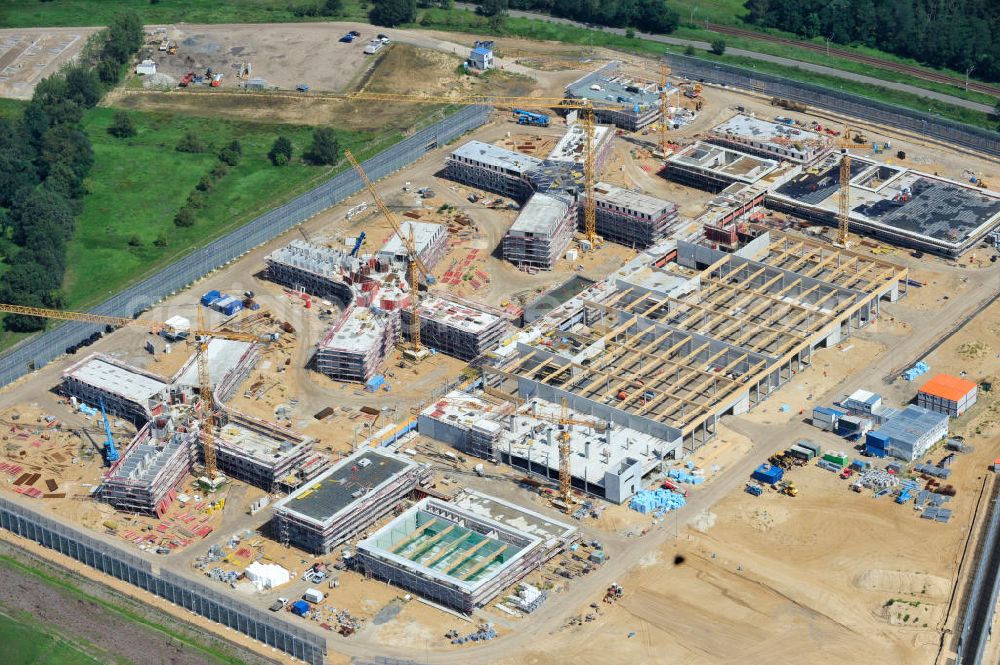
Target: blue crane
[357, 244]
[110, 454]
[530, 118]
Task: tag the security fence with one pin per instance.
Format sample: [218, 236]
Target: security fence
[187, 593]
[39, 350]
[845, 103]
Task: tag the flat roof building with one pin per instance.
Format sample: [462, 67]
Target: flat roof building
[714, 167]
[265, 454]
[462, 554]
[345, 500]
[637, 102]
[948, 394]
[430, 241]
[357, 345]
[773, 140]
[629, 218]
[911, 432]
[541, 232]
[462, 330]
[492, 168]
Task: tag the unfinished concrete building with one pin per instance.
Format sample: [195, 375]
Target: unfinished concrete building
[264, 454]
[639, 100]
[630, 218]
[462, 554]
[462, 330]
[771, 140]
[666, 348]
[311, 268]
[357, 345]
[714, 168]
[345, 500]
[607, 460]
[541, 232]
[127, 391]
[430, 241]
[148, 471]
[571, 147]
[492, 168]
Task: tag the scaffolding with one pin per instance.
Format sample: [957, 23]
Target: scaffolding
[460, 330]
[541, 232]
[629, 218]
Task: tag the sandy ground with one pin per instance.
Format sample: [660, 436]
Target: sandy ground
[27, 56]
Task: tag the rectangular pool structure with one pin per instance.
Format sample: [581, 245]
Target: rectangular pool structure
[462, 554]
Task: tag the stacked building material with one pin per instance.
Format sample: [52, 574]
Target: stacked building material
[878, 479]
[648, 501]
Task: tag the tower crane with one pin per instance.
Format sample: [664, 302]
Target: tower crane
[415, 265]
[663, 110]
[844, 195]
[565, 451]
[110, 453]
[586, 107]
[201, 335]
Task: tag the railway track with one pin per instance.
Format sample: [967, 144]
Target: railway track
[847, 54]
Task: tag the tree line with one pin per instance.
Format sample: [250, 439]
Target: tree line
[961, 35]
[45, 158]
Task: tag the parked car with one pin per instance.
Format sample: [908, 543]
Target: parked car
[383, 38]
[354, 33]
[348, 38]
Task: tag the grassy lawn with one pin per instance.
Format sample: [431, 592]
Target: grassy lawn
[465, 21]
[28, 642]
[32, 13]
[212, 655]
[137, 185]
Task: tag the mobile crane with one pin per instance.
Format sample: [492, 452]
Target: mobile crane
[110, 453]
[416, 351]
[201, 335]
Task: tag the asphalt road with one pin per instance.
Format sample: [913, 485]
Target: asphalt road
[764, 57]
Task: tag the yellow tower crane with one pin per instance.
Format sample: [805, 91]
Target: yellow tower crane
[844, 195]
[565, 451]
[201, 335]
[417, 351]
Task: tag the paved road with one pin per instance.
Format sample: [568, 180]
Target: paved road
[764, 57]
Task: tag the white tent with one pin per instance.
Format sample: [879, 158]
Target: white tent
[266, 575]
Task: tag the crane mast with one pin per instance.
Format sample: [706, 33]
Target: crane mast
[844, 198]
[416, 263]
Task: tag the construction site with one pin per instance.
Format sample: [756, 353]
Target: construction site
[656, 350]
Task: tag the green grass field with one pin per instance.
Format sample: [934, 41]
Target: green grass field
[27, 642]
[137, 185]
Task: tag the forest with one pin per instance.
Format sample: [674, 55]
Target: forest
[959, 35]
[45, 158]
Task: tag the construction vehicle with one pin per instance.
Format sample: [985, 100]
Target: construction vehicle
[201, 336]
[789, 489]
[692, 91]
[613, 593]
[186, 80]
[530, 118]
[110, 453]
[357, 244]
[789, 104]
[246, 70]
[172, 49]
[416, 351]
[755, 490]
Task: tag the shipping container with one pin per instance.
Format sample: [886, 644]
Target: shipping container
[210, 298]
[313, 596]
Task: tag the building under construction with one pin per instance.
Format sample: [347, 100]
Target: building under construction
[492, 168]
[541, 232]
[358, 344]
[459, 329]
[127, 391]
[430, 241]
[687, 333]
[607, 460]
[714, 168]
[630, 218]
[464, 553]
[345, 500]
[771, 140]
[264, 454]
[639, 100]
[313, 269]
[145, 477]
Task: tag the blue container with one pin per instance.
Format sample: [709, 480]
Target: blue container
[300, 608]
[231, 308]
[375, 383]
[210, 298]
[767, 474]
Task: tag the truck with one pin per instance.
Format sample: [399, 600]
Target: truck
[186, 81]
[755, 490]
[530, 118]
[789, 104]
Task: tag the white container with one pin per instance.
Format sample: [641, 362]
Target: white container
[313, 596]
